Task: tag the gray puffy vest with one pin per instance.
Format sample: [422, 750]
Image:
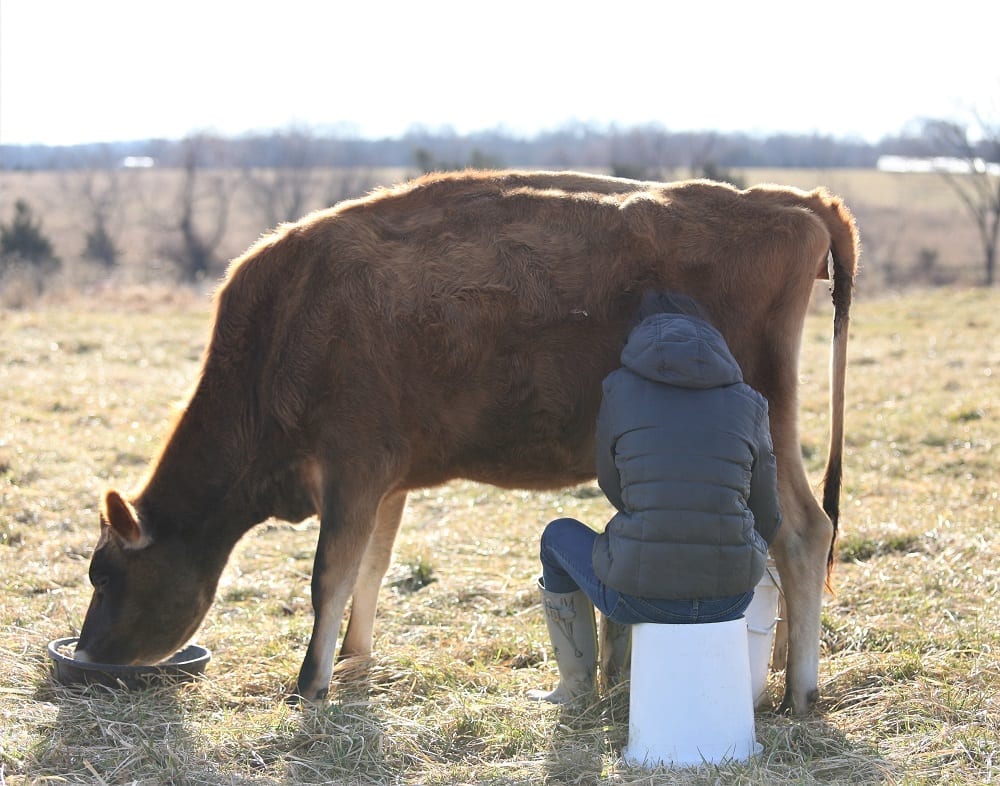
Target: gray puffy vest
[684, 453]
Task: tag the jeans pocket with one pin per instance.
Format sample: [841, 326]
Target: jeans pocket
[726, 609]
[663, 612]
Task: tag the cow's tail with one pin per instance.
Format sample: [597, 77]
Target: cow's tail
[841, 268]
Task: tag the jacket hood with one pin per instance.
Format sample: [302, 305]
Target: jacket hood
[680, 350]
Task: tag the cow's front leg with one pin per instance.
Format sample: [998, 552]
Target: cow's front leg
[361, 623]
[346, 526]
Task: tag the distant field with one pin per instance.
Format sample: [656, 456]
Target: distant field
[910, 658]
[904, 218]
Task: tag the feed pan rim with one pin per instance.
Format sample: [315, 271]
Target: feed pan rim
[188, 662]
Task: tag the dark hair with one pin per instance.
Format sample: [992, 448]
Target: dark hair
[670, 303]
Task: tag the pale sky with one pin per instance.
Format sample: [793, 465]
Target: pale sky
[75, 71]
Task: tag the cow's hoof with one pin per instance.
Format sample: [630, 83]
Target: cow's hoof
[790, 707]
[306, 698]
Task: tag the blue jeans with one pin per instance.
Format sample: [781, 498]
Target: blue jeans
[567, 566]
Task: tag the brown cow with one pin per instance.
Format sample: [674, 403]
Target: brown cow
[459, 326]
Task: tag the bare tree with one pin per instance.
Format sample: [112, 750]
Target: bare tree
[641, 154]
[285, 190]
[101, 191]
[973, 173]
[201, 208]
[348, 183]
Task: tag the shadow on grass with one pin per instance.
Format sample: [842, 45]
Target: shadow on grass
[814, 750]
[584, 735]
[115, 735]
[587, 745]
[112, 735]
[164, 735]
[343, 742]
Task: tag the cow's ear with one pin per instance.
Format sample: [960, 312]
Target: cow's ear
[121, 518]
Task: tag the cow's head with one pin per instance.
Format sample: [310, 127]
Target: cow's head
[151, 591]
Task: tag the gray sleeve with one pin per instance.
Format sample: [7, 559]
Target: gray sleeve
[607, 471]
[763, 500]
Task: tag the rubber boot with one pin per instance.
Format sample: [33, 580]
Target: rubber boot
[570, 621]
[616, 651]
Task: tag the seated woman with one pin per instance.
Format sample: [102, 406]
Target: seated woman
[684, 454]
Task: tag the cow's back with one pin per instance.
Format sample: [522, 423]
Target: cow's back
[472, 317]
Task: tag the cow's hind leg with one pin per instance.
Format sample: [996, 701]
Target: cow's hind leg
[779, 653]
[361, 623]
[800, 551]
[615, 651]
[346, 525]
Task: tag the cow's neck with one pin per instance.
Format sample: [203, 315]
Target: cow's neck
[200, 479]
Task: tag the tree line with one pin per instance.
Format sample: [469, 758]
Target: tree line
[642, 148]
[287, 172]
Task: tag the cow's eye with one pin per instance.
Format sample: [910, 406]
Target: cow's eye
[100, 582]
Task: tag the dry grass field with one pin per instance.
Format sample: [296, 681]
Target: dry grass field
[910, 658]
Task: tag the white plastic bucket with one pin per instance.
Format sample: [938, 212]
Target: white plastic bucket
[690, 700]
[762, 617]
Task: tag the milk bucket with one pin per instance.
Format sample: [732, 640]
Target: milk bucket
[762, 616]
[690, 700]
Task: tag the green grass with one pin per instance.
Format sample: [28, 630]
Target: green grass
[910, 650]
